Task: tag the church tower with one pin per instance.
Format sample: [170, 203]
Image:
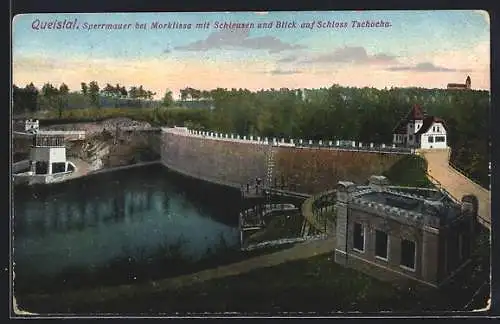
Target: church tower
[468, 82]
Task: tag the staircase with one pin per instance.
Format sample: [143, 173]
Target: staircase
[442, 174]
[270, 168]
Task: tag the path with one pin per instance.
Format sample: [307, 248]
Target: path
[299, 251]
[82, 167]
[456, 183]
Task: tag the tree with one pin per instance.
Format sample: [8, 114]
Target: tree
[133, 92]
[49, 91]
[63, 89]
[108, 90]
[85, 88]
[93, 92]
[25, 99]
[168, 99]
[184, 94]
[62, 99]
[124, 92]
[142, 93]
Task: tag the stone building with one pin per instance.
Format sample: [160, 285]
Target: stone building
[400, 233]
[460, 86]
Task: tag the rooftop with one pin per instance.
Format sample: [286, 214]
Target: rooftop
[432, 208]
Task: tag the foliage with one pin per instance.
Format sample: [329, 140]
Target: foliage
[168, 99]
[345, 113]
[409, 171]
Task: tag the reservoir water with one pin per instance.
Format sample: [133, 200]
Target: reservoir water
[120, 221]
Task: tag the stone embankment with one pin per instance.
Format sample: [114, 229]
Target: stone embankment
[106, 146]
[236, 161]
[95, 128]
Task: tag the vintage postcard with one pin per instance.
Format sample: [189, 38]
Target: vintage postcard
[317, 163]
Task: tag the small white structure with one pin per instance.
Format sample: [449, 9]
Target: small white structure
[31, 125]
[420, 131]
[47, 162]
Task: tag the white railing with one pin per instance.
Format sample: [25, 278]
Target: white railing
[328, 144]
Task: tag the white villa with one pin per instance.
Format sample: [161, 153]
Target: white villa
[420, 131]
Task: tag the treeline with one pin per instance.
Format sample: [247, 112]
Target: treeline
[30, 99]
[361, 114]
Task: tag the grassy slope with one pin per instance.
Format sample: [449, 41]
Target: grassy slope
[409, 171]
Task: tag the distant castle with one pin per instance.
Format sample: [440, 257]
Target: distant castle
[460, 86]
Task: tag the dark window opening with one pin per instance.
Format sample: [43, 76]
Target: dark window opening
[431, 139]
[359, 237]
[408, 254]
[381, 244]
[440, 139]
[41, 167]
[58, 167]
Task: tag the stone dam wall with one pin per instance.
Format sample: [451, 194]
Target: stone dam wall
[237, 161]
[312, 170]
[220, 161]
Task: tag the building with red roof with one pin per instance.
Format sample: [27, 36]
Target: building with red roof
[419, 130]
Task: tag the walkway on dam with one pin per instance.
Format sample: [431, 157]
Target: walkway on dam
[68, 135]
[299, 251]
[456, 183]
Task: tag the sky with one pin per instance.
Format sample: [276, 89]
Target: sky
[314, 49]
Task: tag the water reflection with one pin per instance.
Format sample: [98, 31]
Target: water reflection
[89, 222]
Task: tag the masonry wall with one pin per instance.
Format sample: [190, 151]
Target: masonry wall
[312, 170]
[427, 245]
[235, 163]
[220, 161]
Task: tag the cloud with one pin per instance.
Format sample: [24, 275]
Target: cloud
[284, 72]
[289, 58]
[352, 54]
[36, 63]
[239, 38]
[425, 67]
